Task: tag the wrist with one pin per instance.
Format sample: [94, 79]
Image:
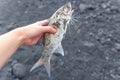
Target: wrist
[17, 36]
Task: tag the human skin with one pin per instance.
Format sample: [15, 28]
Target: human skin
[26, 35]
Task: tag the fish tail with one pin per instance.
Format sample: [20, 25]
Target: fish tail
[47, 66]
[40, 62]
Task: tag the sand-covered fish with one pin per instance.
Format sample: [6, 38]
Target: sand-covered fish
[52, 42]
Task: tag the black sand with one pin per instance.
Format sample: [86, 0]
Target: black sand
[92, 44]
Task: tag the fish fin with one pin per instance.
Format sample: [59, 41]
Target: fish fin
[46, 63]
[47, 66]
[39, 63]
[59, 50]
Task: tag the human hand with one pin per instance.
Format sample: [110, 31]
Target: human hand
[30, 34]
[27, 35]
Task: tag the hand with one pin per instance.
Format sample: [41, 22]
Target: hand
[27, 35]
[32, 33]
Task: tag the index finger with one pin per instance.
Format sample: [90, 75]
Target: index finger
[43, 22]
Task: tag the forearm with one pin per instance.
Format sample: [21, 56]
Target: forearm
[9, 43]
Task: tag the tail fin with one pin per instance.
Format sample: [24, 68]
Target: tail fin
[40, 62]
[47, 66]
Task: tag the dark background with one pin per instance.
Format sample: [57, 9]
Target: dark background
[91, 45]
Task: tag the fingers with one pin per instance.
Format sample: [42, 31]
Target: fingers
[43, 22]
[48, 29]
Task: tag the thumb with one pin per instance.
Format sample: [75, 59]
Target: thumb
[48, 29]
[43, 22]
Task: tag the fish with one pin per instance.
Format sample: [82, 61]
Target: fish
[52, 42]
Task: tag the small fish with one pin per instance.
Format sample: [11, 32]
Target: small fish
[52, 42]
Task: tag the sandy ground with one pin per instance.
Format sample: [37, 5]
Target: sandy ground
[92, 44]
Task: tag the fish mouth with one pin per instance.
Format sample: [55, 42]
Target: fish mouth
[69, 10]
[68, 6]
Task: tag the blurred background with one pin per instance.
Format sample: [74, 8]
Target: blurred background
[91, 45]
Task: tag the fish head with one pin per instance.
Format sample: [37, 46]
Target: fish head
[63, 16]
[65, 13]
